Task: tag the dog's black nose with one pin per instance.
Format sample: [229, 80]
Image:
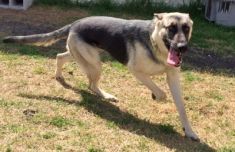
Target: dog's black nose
[182, 47]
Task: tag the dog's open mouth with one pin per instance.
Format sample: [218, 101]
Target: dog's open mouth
[174, 57]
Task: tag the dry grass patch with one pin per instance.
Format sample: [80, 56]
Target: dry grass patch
[39, 114]
[70, 119]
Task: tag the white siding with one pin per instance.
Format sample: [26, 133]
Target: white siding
[169, 2]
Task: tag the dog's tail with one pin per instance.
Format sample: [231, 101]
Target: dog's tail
[46, 39]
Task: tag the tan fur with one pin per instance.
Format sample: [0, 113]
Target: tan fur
[139, 64]
[45, 44]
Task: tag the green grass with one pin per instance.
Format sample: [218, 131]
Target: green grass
[74, 119]
[214, 37]
[94, 150]
[190, 77]
[231, 133]
[167, 129]
[206, 35]
[39, 70]
[9, 149]
[16, 128]
[48, 135]
[26, 50]
[143, 145]
[118, 66]
[135, 7]
[55, 2]
[111, 124]
[227, 149]
[60, 122]
[59, 148]
[39, 119]
[215, 94]
[9, 104]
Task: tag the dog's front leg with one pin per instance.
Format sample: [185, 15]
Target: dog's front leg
[146, 80]
[173, 79]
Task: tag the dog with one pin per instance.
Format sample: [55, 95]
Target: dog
[146, 47]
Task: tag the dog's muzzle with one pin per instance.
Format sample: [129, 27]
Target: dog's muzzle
[175, 53]
[181, 47]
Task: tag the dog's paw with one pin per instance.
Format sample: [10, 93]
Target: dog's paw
[153, 97]
[59, 78]
[192, 136]
[110, 97]
[161, 96]
[61, 81]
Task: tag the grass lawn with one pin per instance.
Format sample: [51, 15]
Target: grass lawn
[39, 114]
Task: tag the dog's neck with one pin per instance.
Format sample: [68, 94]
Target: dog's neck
[157, 43]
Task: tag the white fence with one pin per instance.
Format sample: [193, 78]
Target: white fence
[24, 4]
[168, 2]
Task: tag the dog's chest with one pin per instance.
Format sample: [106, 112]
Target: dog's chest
[141, 61]
[151, 67]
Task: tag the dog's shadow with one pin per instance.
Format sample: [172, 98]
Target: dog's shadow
[163, 134]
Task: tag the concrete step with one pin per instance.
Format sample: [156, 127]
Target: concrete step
[16, 4]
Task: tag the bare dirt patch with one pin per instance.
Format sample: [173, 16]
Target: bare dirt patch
[36, 20]
[207, 60]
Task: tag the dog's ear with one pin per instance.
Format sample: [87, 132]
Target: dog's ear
[190, 20]
[159, 16]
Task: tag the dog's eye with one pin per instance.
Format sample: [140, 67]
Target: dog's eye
[185, 28]
[173, 29]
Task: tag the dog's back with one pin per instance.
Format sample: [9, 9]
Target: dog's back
[113, 34]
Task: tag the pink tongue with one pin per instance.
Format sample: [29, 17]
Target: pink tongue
[173, 58]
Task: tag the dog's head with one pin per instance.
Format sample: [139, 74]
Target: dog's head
[174, 31]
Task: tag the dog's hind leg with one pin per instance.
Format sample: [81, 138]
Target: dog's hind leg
[61, 59]
[94, 74]
[88, 58]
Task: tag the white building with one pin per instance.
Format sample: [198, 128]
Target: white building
[170, 2]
